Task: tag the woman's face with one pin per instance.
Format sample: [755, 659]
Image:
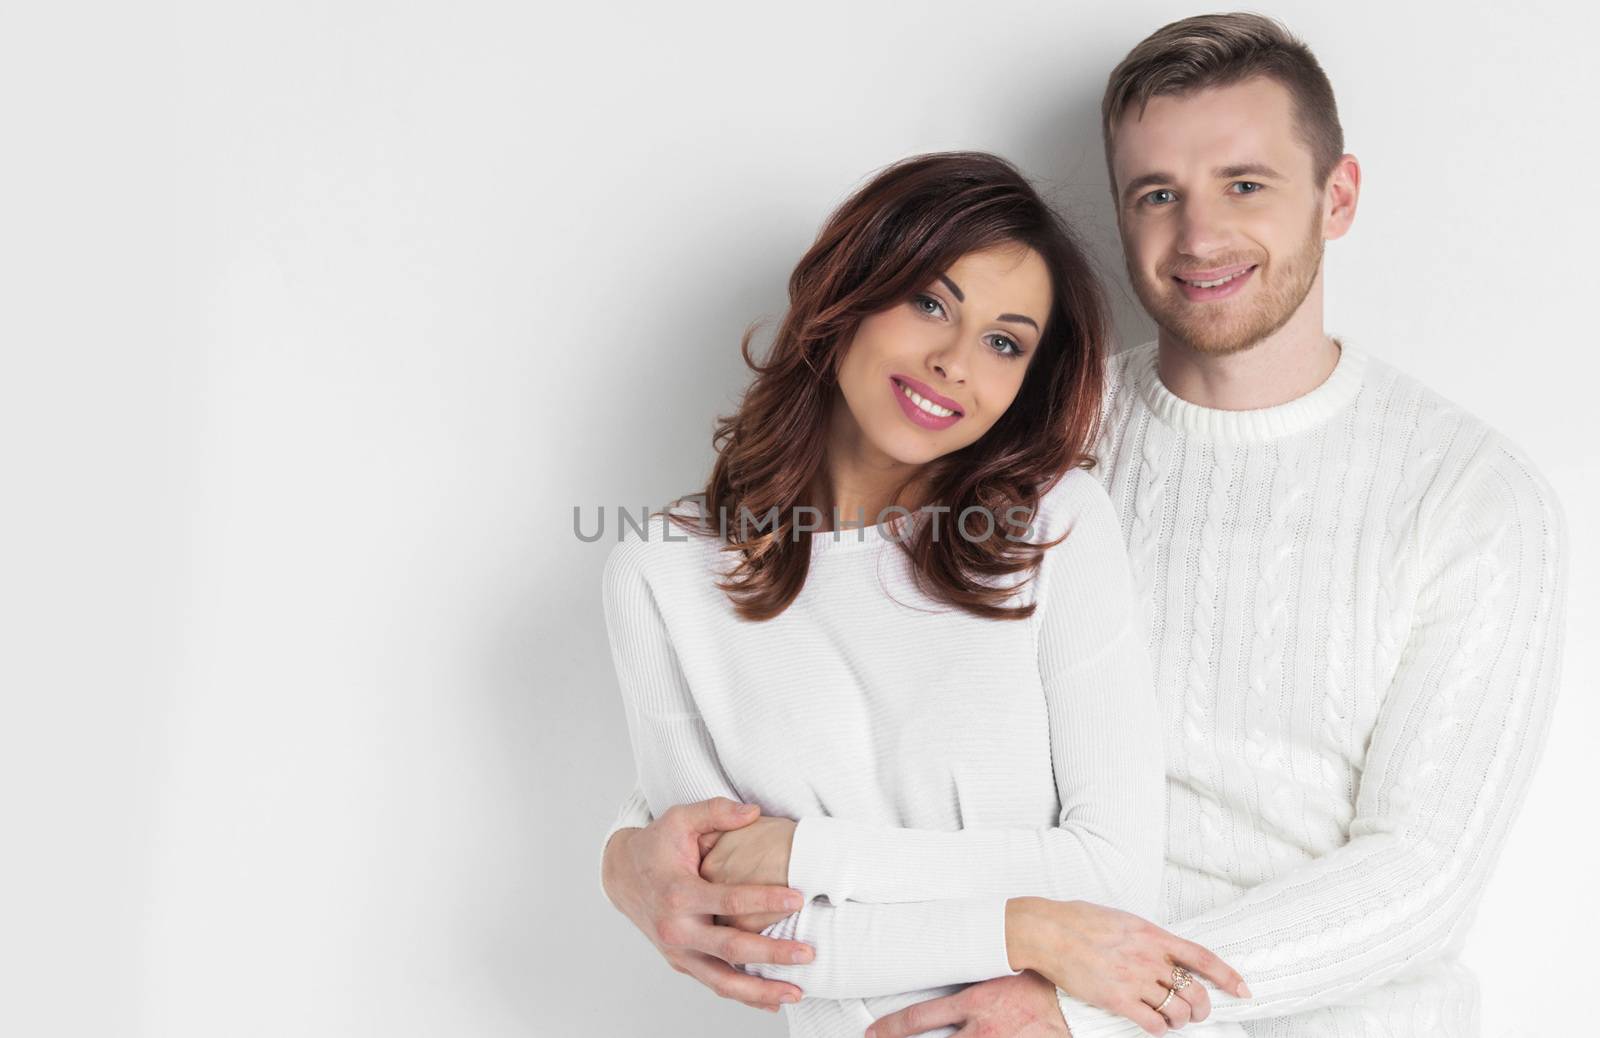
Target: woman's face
[931, 375]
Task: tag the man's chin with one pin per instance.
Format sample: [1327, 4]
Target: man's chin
[1212, 338]
[1221, 348]
[1206, 328]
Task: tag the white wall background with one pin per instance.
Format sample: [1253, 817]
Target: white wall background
[319, 318]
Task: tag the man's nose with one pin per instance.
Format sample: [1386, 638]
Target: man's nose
[1202, 229]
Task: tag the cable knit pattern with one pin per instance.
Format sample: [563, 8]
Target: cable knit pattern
[1349, 476]
[1266, 752]
[1371, 816]
[1352, 717]
[1199, 721]
[1149, 485]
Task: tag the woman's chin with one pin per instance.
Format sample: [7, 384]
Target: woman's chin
[915, 447]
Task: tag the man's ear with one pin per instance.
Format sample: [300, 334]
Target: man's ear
[1340, 196]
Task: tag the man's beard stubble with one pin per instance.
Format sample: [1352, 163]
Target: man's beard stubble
[1198, 328]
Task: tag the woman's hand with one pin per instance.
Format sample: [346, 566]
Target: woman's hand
[756, 854]
[1115, 960]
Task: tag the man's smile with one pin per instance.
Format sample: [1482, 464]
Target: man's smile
[1217, 283]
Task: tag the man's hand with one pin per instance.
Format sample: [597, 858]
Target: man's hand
[757, 853]
[652, 875]
[1115, 960]
[1023, 1006]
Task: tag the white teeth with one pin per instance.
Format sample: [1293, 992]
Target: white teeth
[1219, 281]
[927, 405]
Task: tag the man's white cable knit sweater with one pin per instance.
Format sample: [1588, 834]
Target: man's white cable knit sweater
[938, 762]
[1355, 604]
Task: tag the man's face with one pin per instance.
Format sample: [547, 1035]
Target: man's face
[1221, 219]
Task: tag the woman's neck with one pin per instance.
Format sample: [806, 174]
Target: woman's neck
[858, 482]
[848, 502]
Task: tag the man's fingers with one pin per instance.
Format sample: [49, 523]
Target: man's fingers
[762, 1005]
[1205, 962]
[751, 923]
[708, 841]
[740, 948]
[730, 814]
[696, 897]
[717, 813]
[924, 1016]
[728, 982]
[751, 899]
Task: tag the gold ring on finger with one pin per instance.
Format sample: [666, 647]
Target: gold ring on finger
[1181, 978]
[1164, 1001]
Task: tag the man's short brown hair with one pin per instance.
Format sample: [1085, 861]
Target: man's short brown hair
[1212, 50]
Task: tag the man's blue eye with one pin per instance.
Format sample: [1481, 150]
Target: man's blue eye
[1151, 197]
[1247, 183]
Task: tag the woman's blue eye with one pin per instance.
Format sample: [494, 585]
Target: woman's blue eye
[1009, 349]
[938, 307]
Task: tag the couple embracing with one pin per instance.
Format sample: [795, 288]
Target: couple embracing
[996, 685]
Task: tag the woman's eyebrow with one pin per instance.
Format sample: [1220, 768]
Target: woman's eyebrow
[1023, 318]
[954, 288]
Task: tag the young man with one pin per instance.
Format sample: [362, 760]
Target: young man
[1355, 594]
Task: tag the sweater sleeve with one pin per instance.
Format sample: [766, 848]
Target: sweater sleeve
[1106, 843]
[861, 950]
[633, 814]
[672, 750]
[1460, 729]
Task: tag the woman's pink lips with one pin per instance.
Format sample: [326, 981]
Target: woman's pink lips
[928, 394]
[917, 414]
[1198, 295]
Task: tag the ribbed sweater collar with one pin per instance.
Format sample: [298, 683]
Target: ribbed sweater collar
[1260, 424]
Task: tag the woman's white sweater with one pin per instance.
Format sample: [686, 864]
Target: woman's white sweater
[1355, 605]
[938, 762]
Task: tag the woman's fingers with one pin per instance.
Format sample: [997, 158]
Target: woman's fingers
[1175, 1009]
[924, 1016]
[1151, 1021]
[1199, 1001]
[1205, 962]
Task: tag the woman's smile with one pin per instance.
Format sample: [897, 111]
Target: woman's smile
[922, 405]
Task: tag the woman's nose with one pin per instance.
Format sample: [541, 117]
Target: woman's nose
[949, 363]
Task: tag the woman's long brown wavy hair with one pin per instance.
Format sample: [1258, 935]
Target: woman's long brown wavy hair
[884, 244]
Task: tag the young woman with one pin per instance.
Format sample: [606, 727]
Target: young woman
[900, 619]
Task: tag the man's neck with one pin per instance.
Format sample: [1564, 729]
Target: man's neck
[1284, 366]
